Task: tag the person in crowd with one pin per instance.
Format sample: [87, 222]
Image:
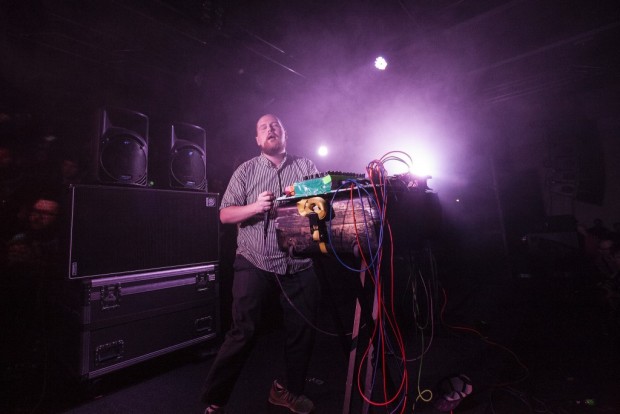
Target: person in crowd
[15, 192]
[71, 171]
[598, 229]
[262, 269]
[615, 233]
[66, 171]
[608, 281]
[35, 249]
[27, 264]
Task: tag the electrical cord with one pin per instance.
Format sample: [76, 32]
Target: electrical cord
[301, 314]
[377, 263]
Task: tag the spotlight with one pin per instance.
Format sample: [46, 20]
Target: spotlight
[380, 63]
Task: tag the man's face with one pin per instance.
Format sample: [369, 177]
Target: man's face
[43, 214]
[270, 135]
[69, 168]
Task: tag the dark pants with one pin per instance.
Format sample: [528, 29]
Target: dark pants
[251, 287]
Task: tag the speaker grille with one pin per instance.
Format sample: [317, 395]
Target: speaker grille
[187, 162]
[123, 157]
[187, 167]
[115, 230]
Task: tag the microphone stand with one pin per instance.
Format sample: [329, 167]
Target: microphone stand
[266, 223]
[267, 214]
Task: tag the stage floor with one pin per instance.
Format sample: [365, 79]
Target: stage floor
[528, 344]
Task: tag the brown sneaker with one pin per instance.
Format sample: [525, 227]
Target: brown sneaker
[299, 404]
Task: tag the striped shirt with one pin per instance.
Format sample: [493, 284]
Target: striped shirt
[249, 180]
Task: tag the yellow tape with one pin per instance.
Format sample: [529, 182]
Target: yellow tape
[323, 247]
[312, 205]
[316, 236]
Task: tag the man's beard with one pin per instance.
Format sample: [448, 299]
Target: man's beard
[272, 148]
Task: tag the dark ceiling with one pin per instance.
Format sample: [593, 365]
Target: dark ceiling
[221, 63]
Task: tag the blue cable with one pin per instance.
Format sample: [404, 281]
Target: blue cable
[374, 255]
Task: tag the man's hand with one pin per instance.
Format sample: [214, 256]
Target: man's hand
[237, 214]
[264, 202]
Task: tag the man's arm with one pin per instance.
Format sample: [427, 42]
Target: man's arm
[237, 214]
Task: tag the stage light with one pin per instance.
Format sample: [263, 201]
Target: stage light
[322, 151]
[380, 63]
[423, 164]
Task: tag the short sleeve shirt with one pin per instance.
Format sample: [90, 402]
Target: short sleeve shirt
[249, 180]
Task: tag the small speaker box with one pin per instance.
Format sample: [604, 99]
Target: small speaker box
[187, 168]
[121, 147]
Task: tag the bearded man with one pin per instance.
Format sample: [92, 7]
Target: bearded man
[262, 269]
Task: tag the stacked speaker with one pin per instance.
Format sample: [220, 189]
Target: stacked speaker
[187, 164]
[575, 162]
[121, 153]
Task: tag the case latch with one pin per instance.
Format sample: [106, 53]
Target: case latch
[110, 297]
[109, 352]
[203, 281]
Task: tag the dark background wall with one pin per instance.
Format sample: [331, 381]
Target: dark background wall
[495, 90]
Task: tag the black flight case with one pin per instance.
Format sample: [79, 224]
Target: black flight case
[109, 323]
[139, 277]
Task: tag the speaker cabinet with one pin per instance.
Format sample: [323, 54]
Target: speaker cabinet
[576, 162]
[187, 166]
[119, 230]
[522, 205]
[122, 147]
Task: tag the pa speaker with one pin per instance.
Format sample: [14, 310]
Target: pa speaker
[116, 230]
[187, 168]
[576, 162]
[122, 147]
